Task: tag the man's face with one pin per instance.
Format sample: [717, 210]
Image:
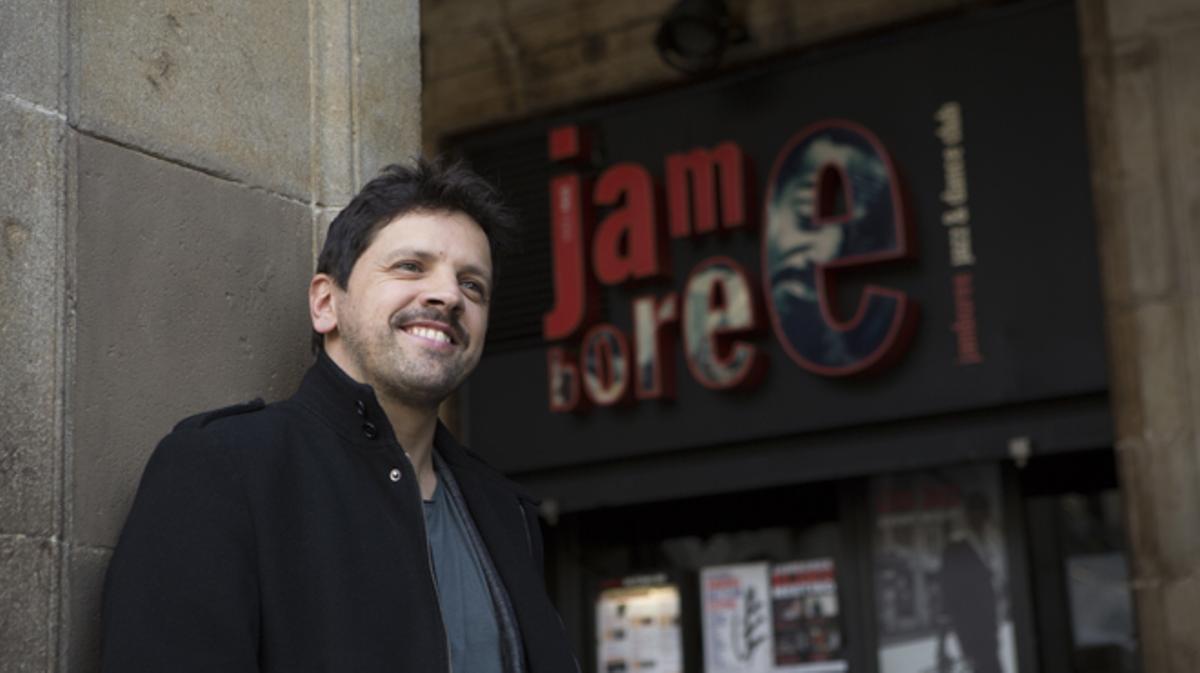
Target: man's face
[412, 318]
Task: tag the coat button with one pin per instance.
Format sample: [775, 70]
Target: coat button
[360, 408]
[395, 474]
[369, 430]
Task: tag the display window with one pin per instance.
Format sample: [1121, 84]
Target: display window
[967, 568]
[1081, 575]
[757, 576]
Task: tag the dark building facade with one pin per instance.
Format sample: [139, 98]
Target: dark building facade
[811, 357]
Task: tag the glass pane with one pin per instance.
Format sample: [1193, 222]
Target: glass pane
[941, 575]
[1097, 579]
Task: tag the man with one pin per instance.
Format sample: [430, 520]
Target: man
[969, 593]
[344, 529]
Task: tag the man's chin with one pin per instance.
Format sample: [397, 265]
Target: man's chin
[428, 392]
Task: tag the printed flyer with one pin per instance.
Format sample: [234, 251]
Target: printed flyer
[638, 628]
[737, 619]
[804, 607]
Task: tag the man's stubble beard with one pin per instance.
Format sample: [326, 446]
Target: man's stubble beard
[388, 368]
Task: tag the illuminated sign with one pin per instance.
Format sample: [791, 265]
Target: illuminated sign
[833, 203]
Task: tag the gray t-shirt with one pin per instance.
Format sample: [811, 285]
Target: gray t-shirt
[467, 608]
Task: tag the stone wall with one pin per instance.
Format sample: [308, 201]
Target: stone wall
[1141, 61]
[491, 61]
[166, 171]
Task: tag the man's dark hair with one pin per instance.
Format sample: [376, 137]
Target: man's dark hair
[400, 189]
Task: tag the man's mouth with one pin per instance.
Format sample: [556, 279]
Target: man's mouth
[430, 333]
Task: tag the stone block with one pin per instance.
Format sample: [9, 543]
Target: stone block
[1180, 60]
[1136, 18]
[388, 104]
[223, 85]
[322, 218]
[1171, 471]
[1124, 371]
[1180, 597]
[84, 593]
[1144, 233]
[31, 67]
[455, 42]
[31, 298]
[1163, 378]
[28, 586]
[1153, 623]
[191, 295]
[333, 105]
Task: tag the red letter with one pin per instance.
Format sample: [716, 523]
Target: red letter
[567, 236]
[834, 204]
[701, 166]
[626, 244]
[605, 365]
[653, 334]
[718, 304]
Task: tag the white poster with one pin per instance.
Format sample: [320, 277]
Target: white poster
[737, 618]
[638, 628]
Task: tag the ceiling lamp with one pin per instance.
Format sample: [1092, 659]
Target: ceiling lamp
[695, 33]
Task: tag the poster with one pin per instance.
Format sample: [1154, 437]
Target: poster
[737, 618]
[806, 630]
[638, 630]
[941, 576]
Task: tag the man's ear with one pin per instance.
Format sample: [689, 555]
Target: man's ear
[322, 303]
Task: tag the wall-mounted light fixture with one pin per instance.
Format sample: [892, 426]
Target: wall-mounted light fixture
[695, 33]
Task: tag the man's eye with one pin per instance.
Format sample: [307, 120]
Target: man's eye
[473, 287]
[407, 266]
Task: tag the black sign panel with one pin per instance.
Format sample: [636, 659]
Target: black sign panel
[916, 239]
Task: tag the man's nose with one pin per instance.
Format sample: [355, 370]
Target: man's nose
[443, 290]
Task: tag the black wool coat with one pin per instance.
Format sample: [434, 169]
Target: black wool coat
[289, 538]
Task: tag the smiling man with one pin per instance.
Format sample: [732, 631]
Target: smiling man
[344, 529]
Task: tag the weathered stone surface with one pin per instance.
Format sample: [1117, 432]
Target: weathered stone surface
[191, 296]
[1181, 88]
[1153, 297]
[333, 105]
[366, 93]
[1153, 624]
[1170, 469]
[221, 84]
[487, 62]
[1181, 596]
[1181, 132]
[1150, 246]
[1163, 382]
[84, 591]
[1132, 18]
[388, 58]
[28, 581]
[322, 218]
[31, 271]
[30, 64]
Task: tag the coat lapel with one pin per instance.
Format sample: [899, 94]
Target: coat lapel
[499, 517]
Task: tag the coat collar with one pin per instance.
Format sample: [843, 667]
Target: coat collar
[347, 406]
[353, 411]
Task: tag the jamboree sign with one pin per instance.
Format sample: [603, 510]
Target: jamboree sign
[893, 229]
[834, 203]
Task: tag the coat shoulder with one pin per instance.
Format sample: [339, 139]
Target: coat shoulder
[252, 427]
[198, 421]
[483, 466]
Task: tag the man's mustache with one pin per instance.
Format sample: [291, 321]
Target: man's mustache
[451, 321]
